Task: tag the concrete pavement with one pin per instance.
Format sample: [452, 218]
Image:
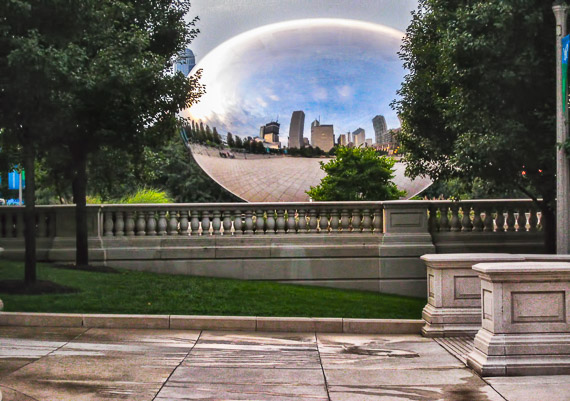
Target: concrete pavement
[108, 364]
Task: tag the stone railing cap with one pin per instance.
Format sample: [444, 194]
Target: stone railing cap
[522, 268]
[546, 258]
[471, 257]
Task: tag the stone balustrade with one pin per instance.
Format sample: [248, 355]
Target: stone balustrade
[484, 216]
[233, 219]
[373, 246]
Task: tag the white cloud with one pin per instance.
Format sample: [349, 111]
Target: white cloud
[344, 91]
[261, 102]
[320, 93]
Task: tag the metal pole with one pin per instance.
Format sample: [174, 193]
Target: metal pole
[562, 162]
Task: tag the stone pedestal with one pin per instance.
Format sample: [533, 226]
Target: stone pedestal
[454, 292]
[526, 319]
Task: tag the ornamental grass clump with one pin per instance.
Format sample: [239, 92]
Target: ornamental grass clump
[147, 195]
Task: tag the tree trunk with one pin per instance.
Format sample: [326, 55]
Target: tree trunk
[30, 215]
[79, 197]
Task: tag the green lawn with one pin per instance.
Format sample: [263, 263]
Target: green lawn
[149, 293]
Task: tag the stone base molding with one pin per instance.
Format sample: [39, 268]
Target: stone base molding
[526, 319]
[450, 322]
[520, 355]
[454, 292]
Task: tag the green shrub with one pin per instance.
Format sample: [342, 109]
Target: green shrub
[94, 200]
[147, 195]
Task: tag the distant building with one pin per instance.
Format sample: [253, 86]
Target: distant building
[306, 142]
[359, 136]
[391, 143]
[322, 136]
[380, 128]
[368, 142]
[296, 129]
[185, 62]
[270, 132]
[342, 140]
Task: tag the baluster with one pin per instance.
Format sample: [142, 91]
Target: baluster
[42, 226]
[227, 223]
[356, 220]
[510, 219]
[194, 222]
[162, 224]
[477, 220]
[248, 222]
[130, 223]
[345, 221]
[141, 223]
[259, 222]
[50, 224]
[6, 224]
[108, 224]
[3, 224]
[488, 225]
[238, 223]
[500, 221]
[290, 222]
[533, 220]
[443, 219]
[20, 223]
[280, 221]
[377, 223]
[366, 221]
[205, 223]
[323, 220]
[541, 218]
[172, 222]
[335, 222]
[312, 221]
[521, 220]
[270, 223]
[466, 220]
[302, 224]
[216, 222]
[432, 220]
[455, 223]
[9, 227]
[119, 224]
[150, 223]
[183, 222]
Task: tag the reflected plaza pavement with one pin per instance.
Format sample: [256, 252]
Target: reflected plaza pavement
[265, 178]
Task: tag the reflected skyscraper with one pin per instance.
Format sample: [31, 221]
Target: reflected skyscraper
[270, 132]
[380, 129]
[322, 136]
[185, 62]
[296, 129]
[359, 136]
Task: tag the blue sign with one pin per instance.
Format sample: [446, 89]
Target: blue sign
[14, 202]
[14, 181]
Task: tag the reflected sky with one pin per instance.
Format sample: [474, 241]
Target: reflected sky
[344, 71]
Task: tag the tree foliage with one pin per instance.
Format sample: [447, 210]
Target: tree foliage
[101, 72]
[478, 102]
[357, 174]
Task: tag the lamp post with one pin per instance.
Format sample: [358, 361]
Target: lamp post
[562, 162]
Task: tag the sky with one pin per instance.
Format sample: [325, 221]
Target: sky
[224, 20]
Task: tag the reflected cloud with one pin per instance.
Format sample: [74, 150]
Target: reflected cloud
[344, 71]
